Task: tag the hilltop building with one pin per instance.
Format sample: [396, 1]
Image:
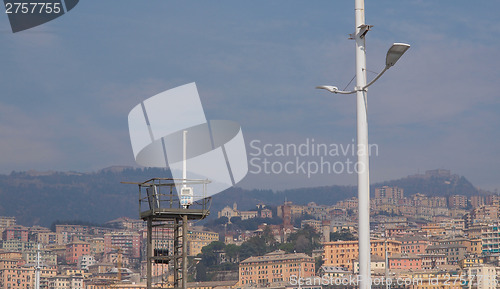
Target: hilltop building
[229, 212]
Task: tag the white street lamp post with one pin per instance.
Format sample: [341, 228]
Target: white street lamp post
[363, 158]
[394, 53]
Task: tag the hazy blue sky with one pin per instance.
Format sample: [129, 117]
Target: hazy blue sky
[67, 86]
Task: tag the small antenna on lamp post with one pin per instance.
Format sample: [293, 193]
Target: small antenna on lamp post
[186, 192]
[184, 157]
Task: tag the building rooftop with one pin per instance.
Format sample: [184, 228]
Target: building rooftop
[405, 256]
[277, 256]
[412, 238]
[445, 246]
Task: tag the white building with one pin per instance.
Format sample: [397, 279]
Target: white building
[85, 261]
[482, 276]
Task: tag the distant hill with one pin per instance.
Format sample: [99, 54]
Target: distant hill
[435, 183]
[43, 197]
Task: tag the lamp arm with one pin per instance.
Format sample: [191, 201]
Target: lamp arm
[363, 88]
[376, 78]
[345, 92]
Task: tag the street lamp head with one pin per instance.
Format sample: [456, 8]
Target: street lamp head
[394, 53]
[332, 89]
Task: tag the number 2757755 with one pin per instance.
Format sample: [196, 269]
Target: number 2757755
[32, 8]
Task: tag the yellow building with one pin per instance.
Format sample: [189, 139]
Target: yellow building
[24, 277]
[198, 238]
[275, 267]
[9, 255]
[469, 262]
[342, 253]
[339, 228]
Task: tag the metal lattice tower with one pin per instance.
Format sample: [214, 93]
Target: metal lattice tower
[167, 227]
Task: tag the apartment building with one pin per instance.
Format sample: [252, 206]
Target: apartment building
[275, 267]
[128, 224]
[47, 257]
[488, 279]
[72, 229]
[85, 261]
[388, 195]
[128, 242]
[431, 280]
[469, 262]
[15, 275]
[433, 229]
[453, 252]
[490, 237]
[66, 282]
[377, 265]
[477, 201]
[49, 238]
[75, 250]
[476, 247]
[432, 261]
[199, 238]
[16, 232]
[18, 245]
[6, 222]
[413, 244]
[457, 202]
[342, 253]
[460, 241]
[405, 262]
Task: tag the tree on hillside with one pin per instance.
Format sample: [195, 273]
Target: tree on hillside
[303, 241]
[201, 272]
[232, 252]
[209, 253]
[235, 220]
